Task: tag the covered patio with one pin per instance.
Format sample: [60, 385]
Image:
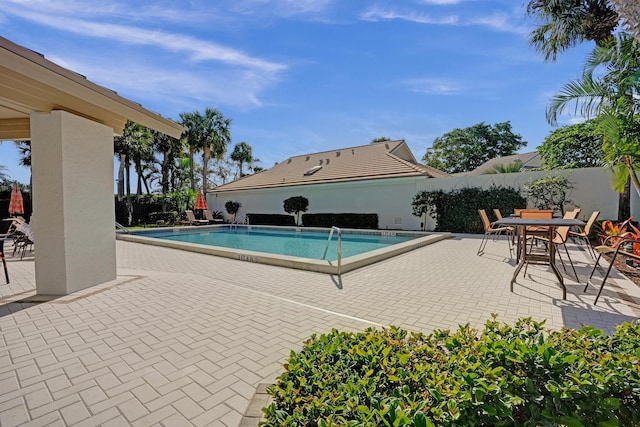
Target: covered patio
[71, 123]
[185, 338]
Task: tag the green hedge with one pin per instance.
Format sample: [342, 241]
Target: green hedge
[505, 375]
[170, 218]
[346, 220]
[457, 211]
[271, 219]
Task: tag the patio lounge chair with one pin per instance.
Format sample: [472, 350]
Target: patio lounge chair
[209, 217]
[23, 239]
[5, 225]
[191, 219]
[490, 229]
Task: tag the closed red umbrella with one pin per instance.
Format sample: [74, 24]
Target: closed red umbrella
[201, 203]
[16, 205]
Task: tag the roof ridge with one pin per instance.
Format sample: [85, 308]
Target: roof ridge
[419, 167]
[398, 141]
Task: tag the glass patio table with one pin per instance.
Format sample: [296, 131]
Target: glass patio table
[549, 257]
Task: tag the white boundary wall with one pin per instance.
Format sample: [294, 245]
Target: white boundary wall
[391, 198]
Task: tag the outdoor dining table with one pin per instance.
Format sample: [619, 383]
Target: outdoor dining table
[551, 224]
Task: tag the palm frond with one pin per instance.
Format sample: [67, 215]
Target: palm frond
[587, 94]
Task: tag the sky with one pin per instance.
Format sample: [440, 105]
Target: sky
[304, 76]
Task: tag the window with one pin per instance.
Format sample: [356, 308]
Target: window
[312, 170]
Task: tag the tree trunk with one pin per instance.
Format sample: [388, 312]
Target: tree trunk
[139, 183]
[121, 177]
[165, 172]
[192, 176]
[624, 202]
[205, 166]
[145, 182]
[128, 179]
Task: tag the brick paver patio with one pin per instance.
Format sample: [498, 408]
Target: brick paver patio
[183, 339]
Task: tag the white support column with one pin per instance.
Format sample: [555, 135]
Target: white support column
[73, 206]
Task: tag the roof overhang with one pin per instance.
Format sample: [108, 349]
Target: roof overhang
[30, 83]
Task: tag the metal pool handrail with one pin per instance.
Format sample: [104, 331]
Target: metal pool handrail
[326, 248]
[121, 227]
[244, 219]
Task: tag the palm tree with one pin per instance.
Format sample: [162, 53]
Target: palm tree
[506, 168]
[122, 153]
[608, 90]
[192, 123]
[630, 14]
[621, 143]
[170, 148]
[210, 133]
[566, 23]
[217, 136]
[132, 145]
[141, 153]
[24, 146]
[242, 153]
[180, 174]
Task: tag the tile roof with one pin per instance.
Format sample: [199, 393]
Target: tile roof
[529, 161]
[389, 159]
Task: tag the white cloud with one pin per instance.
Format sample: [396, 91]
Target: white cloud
[441, 2]
[176, 71]
[196, 49]
[176, 89]
[498, 21]
[140, 10]
[281, 7]
[434, 86]
[377, 14]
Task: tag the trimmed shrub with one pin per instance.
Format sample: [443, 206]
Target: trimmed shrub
[505, 375]
[271, 219]
[345, 220]
[457, 210]
[170, 218]
[295, 205]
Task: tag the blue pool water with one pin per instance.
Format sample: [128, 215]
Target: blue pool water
[303, 244]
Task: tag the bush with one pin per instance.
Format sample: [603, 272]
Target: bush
[504, 376]
[168, 217]
[345, 220]
[457, 210]
[550, 192]
[232, 207]
[271, 219]
[296, 205]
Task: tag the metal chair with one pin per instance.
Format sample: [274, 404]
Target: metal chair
[605, 249]
[490, 229]
[582, 234]
[4, 261]
[560, 237]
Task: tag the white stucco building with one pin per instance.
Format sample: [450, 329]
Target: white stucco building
[383, 178]
[378, 178]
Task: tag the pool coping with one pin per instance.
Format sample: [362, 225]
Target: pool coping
[320, 266]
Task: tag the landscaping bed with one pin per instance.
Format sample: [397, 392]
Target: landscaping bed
[504, 375]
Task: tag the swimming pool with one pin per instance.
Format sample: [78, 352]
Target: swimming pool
[301, 248]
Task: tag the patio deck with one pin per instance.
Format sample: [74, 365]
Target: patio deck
[182, 338]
